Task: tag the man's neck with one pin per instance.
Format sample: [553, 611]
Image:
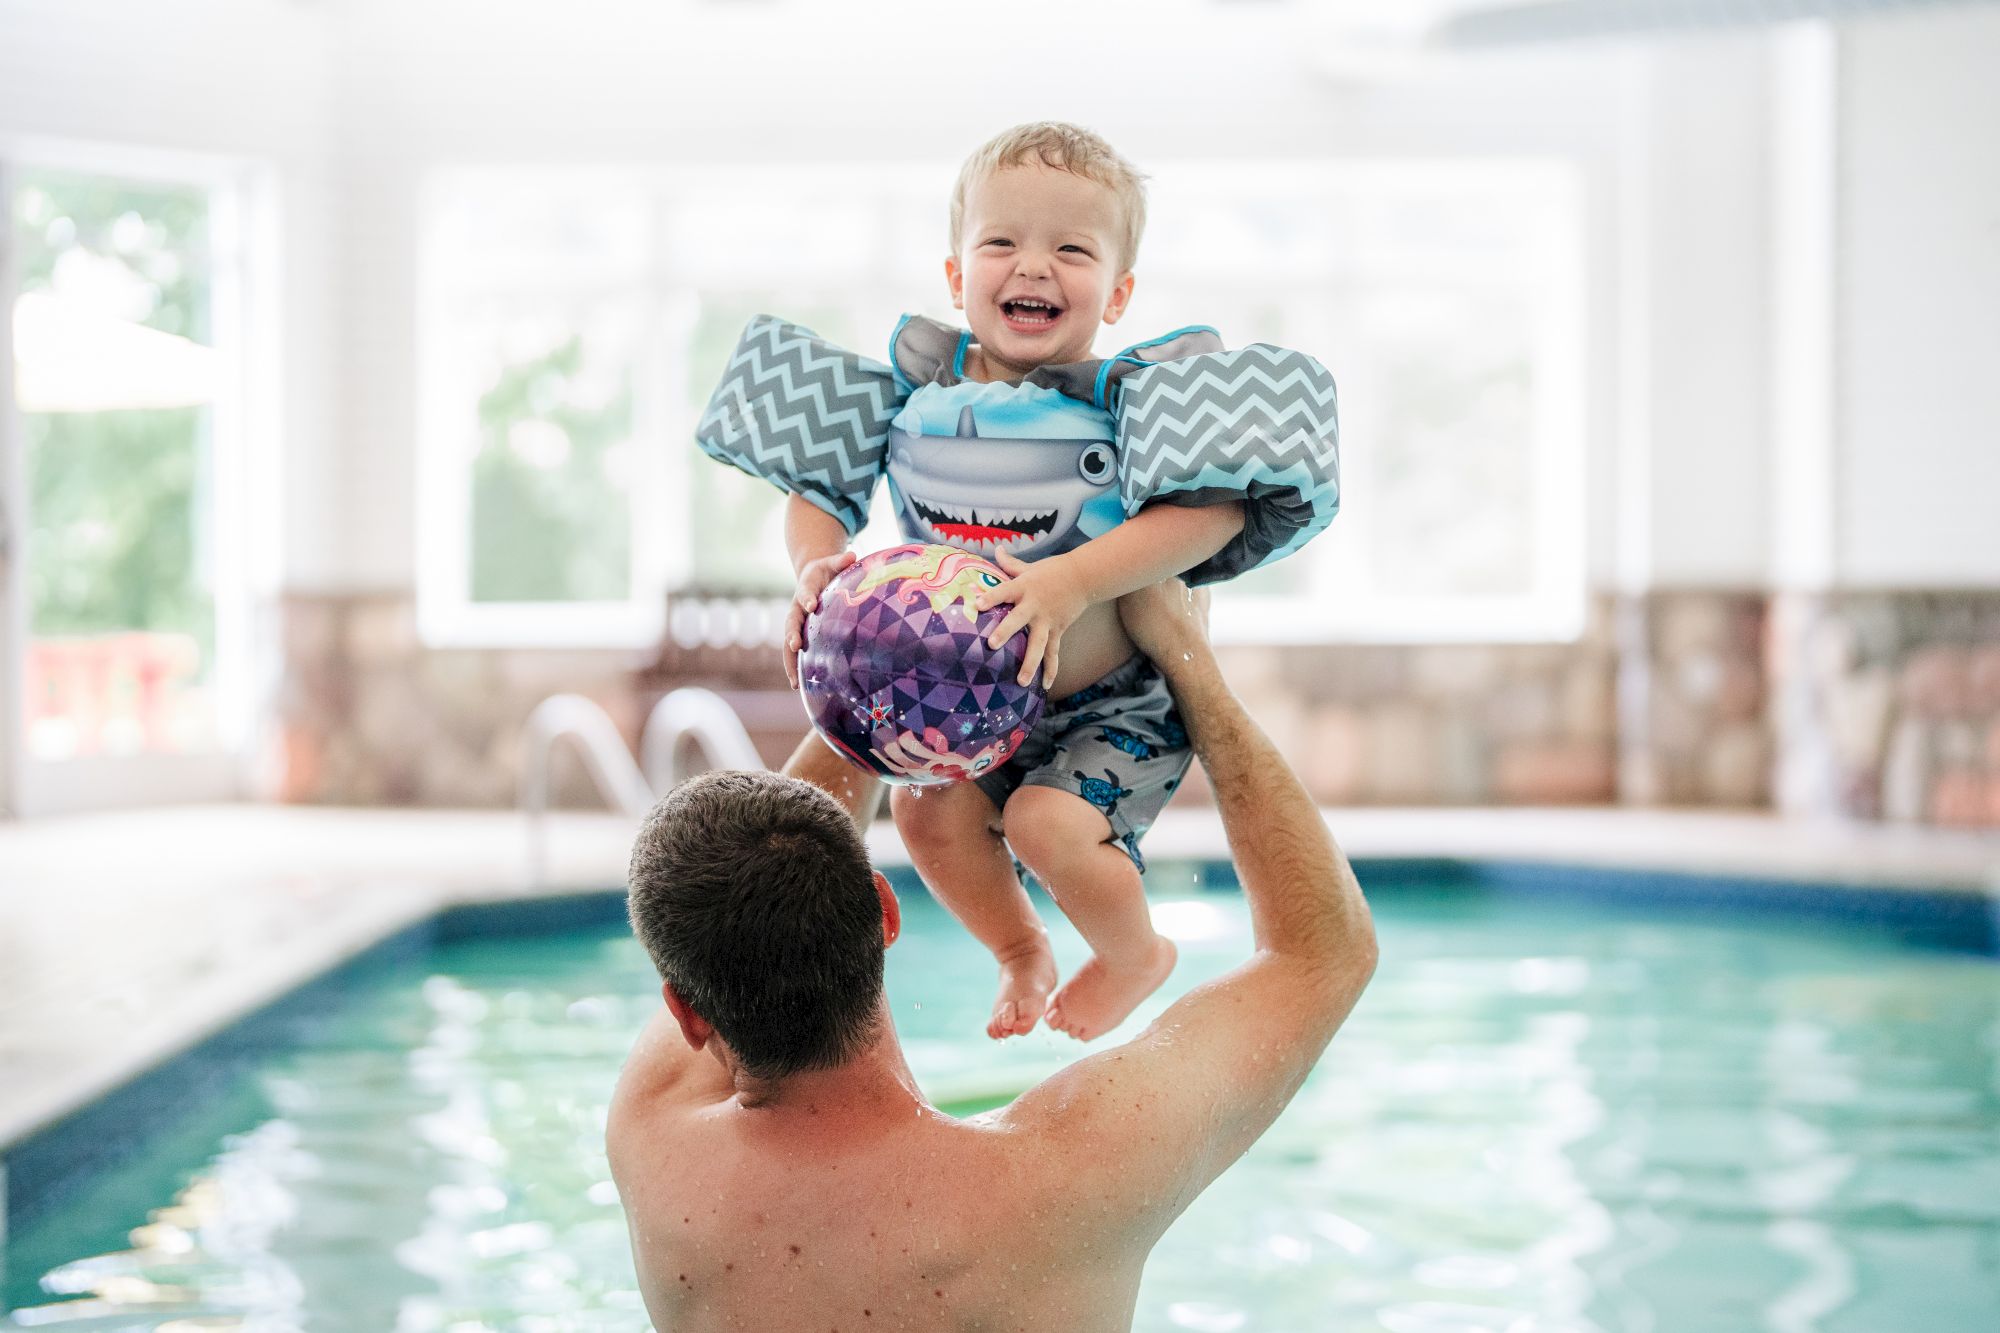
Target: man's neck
[876, 1081]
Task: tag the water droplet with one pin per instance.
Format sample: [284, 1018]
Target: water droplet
[1187, 657]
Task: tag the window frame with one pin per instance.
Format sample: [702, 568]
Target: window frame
[241, 522]
[662, 560]
[447, 617]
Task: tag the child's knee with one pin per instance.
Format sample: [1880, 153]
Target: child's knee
[1047, 825]
[940, 817]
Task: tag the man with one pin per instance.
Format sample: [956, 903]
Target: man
[779, 1167]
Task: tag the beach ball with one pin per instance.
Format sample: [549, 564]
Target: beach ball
[896, 673]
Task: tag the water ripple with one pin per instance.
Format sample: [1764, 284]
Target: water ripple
[1534, 1122]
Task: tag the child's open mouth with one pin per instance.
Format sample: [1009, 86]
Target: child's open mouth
[1029, 316]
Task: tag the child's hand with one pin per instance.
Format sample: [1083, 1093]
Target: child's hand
[814, 575]
[1047, 600]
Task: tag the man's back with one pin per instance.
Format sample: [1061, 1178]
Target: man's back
[898, 1217]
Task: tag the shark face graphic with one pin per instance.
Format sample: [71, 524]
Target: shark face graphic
[989, 495]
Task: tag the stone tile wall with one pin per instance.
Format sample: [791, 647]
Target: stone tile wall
[1452, 724]
[1694, 725]
[1889, 706]
[369, 716]
[1866, 706]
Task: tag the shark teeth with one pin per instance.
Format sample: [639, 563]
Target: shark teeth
[984, 529]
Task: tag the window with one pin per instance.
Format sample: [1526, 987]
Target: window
[1447, 300]
[575, 321]
[116, 378]
[128, 412]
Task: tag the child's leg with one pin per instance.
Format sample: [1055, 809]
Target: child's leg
[953, 835]
[1064, 839]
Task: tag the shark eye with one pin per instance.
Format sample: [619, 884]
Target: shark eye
[1095, 464]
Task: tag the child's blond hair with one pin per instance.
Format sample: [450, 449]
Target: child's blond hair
[1068, 148]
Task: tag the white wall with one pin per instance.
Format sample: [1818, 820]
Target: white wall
[1918, 302]
[1694, 480]
[243, 76]
[236, 79]
[1904, 483]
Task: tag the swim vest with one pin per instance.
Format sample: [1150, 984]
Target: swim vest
[1044, 465]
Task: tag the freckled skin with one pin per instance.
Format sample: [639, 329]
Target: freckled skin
[896, 1222]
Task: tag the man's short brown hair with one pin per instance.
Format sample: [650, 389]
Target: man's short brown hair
[753, 894]
[1069, 148]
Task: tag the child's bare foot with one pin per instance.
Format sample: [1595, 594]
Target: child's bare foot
[1099, 997]
[1027, 975]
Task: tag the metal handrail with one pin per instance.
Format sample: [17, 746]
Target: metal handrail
[708, 718]
[629, 788]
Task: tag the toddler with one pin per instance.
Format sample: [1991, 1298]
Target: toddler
[1084, 480]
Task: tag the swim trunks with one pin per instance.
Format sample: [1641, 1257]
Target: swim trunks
[1118, 744]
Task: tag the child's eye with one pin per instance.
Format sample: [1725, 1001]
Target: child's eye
[1079, 249]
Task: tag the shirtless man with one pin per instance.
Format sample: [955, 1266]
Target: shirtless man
[779, 1167]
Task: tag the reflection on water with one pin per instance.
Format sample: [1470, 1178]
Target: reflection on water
[1536, 1121]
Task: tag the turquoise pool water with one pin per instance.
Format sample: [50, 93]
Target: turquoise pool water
[1541, 1118]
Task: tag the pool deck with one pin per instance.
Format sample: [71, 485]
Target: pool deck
[127, 937]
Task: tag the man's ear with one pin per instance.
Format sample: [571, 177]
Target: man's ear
[1121, 295]
[694, 1028]
[892, 911]
[954, 278]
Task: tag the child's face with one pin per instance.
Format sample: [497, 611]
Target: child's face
[1037, 233]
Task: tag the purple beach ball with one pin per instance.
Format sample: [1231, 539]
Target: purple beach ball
[897, 675]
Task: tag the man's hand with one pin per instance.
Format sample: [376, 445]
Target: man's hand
[1168, 622]
[814, 575]
[1047, 598]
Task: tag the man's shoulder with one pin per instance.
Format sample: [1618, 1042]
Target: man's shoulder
[663, 1078]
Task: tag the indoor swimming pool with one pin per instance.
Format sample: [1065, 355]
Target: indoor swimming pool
[1544, 1115]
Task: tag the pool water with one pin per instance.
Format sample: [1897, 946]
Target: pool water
[1541, 1117]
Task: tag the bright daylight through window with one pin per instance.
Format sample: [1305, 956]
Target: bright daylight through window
[575, 321]
[116, 381]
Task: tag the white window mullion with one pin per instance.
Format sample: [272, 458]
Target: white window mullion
[663, 530]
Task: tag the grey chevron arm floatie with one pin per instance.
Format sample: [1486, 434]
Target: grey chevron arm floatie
[803, 414]
[1259, 424]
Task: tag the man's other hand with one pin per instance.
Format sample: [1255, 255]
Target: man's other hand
[1168, 621]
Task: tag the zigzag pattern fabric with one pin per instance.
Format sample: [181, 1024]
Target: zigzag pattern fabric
[804, 414]
[1260, 423]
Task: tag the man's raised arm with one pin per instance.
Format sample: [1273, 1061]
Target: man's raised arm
[1305, 904]
[1146, 1126]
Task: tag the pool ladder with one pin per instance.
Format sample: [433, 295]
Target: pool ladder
[629, 786]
